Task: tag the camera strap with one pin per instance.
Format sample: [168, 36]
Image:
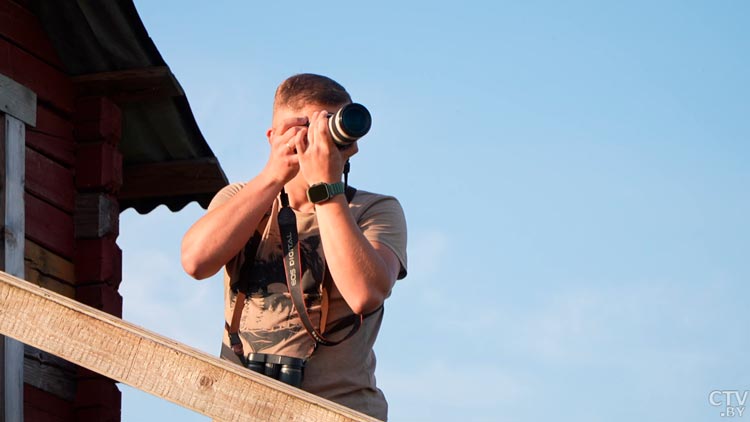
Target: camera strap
[293, 270]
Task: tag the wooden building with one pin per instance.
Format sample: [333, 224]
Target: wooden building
[92, 122]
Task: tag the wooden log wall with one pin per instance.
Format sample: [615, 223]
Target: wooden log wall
[28, 58]
[98, 259]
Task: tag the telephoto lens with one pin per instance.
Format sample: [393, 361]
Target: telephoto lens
[349, 123]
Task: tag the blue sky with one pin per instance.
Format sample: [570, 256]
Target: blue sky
[574, 176]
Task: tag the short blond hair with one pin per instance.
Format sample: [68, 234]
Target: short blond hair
[308, 88]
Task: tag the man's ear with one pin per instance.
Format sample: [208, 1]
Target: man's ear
[268, 134]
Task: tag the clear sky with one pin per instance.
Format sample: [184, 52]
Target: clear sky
[574, 174]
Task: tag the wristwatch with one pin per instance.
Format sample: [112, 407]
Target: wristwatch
[321, 192]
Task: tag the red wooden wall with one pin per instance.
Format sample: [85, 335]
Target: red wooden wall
[73, 172]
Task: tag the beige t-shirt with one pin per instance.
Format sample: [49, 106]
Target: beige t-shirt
[344, 373]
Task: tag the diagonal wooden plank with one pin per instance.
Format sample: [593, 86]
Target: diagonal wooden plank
[153, 363]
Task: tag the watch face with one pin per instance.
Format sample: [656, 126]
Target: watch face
[317, 193]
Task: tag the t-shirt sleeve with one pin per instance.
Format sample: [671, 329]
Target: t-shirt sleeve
[383, 221]
[225, 194]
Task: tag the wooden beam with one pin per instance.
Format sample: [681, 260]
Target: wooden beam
[49, 373]
[172, 178]
[152, 363]
[18, 101]
[12, 204]
[97, 215]
[3, 202]
[48, 270]
[12, 217]
[124, 86]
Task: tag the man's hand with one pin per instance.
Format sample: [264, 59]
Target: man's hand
[318, 157]
[283, 163]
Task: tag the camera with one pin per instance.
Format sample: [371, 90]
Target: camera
[348, 124]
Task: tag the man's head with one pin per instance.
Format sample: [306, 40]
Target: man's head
[305, 89]
[296, 103]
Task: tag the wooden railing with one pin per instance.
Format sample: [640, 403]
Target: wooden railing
[152, 363]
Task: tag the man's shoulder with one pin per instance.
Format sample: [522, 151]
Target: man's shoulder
[363, 196]
[226, 193]
[365, 201]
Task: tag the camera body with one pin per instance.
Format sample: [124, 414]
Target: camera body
[348, 124]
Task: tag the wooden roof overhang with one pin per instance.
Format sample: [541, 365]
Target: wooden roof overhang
[105, 48]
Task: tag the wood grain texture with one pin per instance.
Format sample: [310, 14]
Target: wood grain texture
[97, 215]
[49, 373]
[98, 167]
[152, 363]
[17, 100]
[13, 201]
[19, 24]
[49, 270]
[49, 226]
[50, 84]
[131, 85]
[171, 178]
[12, 245]
[50, 180]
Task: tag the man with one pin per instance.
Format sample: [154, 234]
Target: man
[352, 247]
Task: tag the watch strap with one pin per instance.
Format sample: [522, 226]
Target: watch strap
[335, 189]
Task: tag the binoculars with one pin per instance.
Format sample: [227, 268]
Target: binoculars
[283, 368]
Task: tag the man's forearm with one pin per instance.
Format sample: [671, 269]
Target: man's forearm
[363, 275]
[220, 234]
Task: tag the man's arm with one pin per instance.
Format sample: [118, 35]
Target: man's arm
[363, 271]
[222, 232]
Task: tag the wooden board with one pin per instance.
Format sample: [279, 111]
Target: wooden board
[152, 363]
[97, 215]
[131, 85]
[50, 84]
[49, 226]
[12, 210]
[49, 373]
[52, 123]
[48, 270]
[52, 136]
[23, 27]
[47, 179]
[60, 150]
[17, 100]
[173, 178]
[99, 167]
[43, 406]
[3, 201]
[12, 216]
[97, 119]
